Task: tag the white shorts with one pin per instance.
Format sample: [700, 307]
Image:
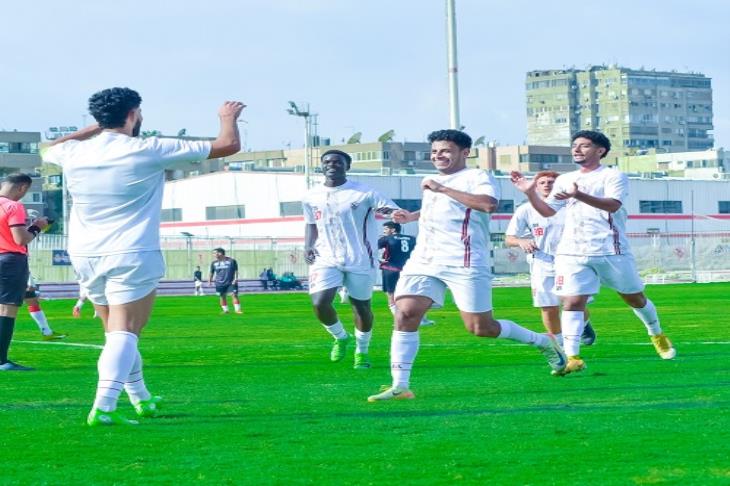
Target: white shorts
[543, 290]
[359, 284]
[584, 275]
[198, 284]
[471, 287]
[119, 279]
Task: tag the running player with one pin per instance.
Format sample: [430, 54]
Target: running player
[340, 241]
[35, 311]
[116, 181]
[397, 250]
[225, 271]
[594, 249]
[538, 236]
[452, 251]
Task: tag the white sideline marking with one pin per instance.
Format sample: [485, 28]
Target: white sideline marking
[54, 343]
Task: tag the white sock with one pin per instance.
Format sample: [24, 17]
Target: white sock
[649, 317]
[225, 308]
[237, 307]
[362, 341]
[572, 324]
[392, 308]
[40, 318]
[337, 330]
[135, 386]
[512, 330]
[115, 363]
[403, 350]
[79, 303]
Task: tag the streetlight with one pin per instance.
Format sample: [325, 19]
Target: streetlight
[295, 111]
[189, 247]
[452, 65]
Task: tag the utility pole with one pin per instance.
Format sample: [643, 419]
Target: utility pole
[454, 121]
[295, 111]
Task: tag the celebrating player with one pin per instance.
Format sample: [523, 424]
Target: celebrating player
[340, 241]
[225, 271]
[594, 249]
[538, 236]
[116, 182]
[397, 250]
[452, 251]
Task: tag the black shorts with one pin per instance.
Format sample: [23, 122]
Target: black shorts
[227, 289]
[13, 278]
[390, 279]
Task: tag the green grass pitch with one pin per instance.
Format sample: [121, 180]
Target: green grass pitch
[253, 399]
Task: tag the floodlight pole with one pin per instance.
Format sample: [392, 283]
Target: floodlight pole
[454, 121]
[294, 111]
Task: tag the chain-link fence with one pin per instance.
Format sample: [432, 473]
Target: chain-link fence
[661, 257]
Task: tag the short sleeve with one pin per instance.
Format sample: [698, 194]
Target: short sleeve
[16, 214]
[559, 186]
[382, 242]
[617, 186]
[518, 225]
[308, 213]
[378, 201]
[486, 185]
[173, 150]
[56, 154]
[235, 265]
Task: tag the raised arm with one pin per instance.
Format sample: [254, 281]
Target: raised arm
[527, 186]
[228, 141]
[480, 202]
[79, 135]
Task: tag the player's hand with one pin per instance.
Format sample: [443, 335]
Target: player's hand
[528, 246]
[310, 255]
[562, 195]
[402, 216]
[41, 222]
[432, 185]
[522, 183]
[231, 109]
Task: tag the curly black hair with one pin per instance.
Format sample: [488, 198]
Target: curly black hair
[110, 107]
[461, 139]
[596, 137]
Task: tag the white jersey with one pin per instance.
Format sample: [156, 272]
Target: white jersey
[347, 233]
[591, 231]
[116, 183]
[449, 233]
[546, 232]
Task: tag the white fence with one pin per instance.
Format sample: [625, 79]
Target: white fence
[661, 257]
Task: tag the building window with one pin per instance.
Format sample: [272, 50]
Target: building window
[171, 214]
[408, 204]
[225, 212]
[660, 207]
[506, 206]
[291, 208]
[723, 207]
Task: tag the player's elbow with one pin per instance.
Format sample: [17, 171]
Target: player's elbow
[224, 148]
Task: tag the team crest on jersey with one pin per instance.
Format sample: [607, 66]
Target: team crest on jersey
[354, 205]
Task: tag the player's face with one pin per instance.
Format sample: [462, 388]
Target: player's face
[586, 152]
[334, 166]
[448, 157]
[218, 255]
[388, 231]
[545, 185]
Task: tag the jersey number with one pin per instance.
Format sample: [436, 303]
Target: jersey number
[404, 246]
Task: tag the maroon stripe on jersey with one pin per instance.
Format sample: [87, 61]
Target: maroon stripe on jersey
[365, 238]
[466, 238]
[616, 243]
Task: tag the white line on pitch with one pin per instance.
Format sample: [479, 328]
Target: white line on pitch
[54, 343]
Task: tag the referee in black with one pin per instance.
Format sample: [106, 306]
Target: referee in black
[14, 238]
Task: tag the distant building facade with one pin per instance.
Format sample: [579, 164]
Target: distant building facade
[636, 109]
[19, 153]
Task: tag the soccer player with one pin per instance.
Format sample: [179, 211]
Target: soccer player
[35, 311]
[14, 239]
[198, 281]
[594, 249]
[452, 251]
[538, 236]
[225, 271]
[397, 250]
[116, 181]
[339, 244]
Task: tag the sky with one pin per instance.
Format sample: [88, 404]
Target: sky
[362, 65]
